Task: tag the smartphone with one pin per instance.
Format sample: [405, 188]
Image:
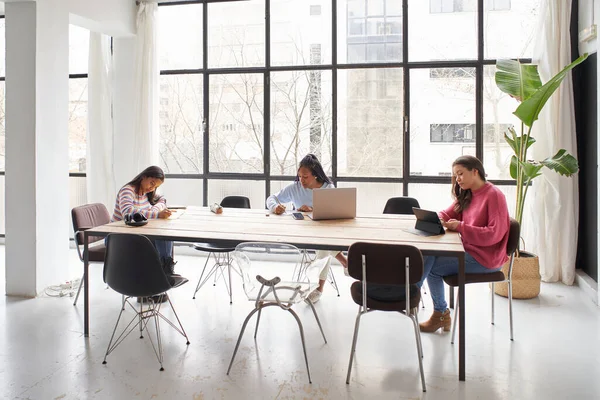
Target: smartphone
[297, 215]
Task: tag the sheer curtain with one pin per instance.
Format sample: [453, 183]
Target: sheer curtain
[552, 209]
[100, 175]
[145, 140]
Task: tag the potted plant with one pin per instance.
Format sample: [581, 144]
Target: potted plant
[522, 82]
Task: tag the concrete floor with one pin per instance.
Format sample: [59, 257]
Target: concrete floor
[555, 355]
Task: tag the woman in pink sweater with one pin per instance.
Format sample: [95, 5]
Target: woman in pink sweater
[479, 213]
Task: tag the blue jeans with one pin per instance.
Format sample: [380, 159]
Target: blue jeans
[164, 248]
[434, 270]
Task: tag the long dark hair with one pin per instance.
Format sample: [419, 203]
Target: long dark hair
[311, 162]
[150, 172]
[464, 197]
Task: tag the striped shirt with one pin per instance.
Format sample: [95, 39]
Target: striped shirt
[128, 201]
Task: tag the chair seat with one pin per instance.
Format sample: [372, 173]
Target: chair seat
[385, 297]
[212, 247]
[97, 252]
[498, 276]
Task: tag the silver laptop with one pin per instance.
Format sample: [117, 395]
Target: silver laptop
[334, 203]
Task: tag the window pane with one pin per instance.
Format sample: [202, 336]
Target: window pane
[442, 118]
[78, 118]
[2, 47]
[254, 190]
[300, 32]
[393, 7]
[517, 41]
[441, 36]
[236, 34]
[236, 123]
[377, 38]
[498, 108]
[370, 121]
[79, 48]
[184, 192]
[372, 196]
[431, 196]
[180, 37]
[180, 119]
[2, 126]
[300, 119]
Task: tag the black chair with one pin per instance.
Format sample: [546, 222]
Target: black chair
[86, 217]
[133, 269]
[400, 205]
[389, 274]
[221, 254]
[514, 234]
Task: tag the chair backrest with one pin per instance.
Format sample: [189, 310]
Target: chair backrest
[514, 234]
[235, 202]
[86, 217]
[385, 263]
[132, 266]
[400, 205]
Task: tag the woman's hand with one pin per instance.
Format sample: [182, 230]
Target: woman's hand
[280, 209]
[305, 208]
[451, 224]
[164, 214]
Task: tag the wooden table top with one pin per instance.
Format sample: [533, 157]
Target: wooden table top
[244, 225]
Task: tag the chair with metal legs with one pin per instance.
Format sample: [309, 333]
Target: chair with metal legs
[498, 276]
[388, 274]
[307, 259]
[133, 268]
[261, 265]
[220, 254]
[83, 218]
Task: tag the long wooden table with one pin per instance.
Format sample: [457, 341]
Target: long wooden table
[235, 226]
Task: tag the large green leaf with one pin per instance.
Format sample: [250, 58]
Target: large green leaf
[531, 169]
[518, 80]
[515, 141]
[514, 162]
[529, 110]
[562, 162]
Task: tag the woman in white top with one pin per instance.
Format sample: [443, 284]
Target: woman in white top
[310, 176]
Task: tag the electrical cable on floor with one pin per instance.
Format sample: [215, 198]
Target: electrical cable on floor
[67, 289]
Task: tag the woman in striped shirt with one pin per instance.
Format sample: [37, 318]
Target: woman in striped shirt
[140, 196]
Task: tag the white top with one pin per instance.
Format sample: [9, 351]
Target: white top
[294, 193]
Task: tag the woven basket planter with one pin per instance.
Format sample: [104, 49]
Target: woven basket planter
[526, 277]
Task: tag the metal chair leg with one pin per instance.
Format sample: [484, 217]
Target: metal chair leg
[353, 349]
[257, 322]
[79, 290]
[303, 342]
[200, 282]
[454, 323]
[333, 281]
[510, 309]
[229, 272]
[493, 298]
[420, 343]
[316, 317]
[237, 345]
[419, 355]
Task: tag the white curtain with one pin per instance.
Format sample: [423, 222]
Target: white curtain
[145, 136]
[100, 175]
[552, 210]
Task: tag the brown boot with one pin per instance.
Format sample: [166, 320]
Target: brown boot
[438, 320]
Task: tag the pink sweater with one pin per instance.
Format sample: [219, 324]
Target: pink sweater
[484, 226]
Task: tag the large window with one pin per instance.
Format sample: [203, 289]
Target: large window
[78, 97]
[246, 92]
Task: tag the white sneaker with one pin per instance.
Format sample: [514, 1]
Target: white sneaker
[314, 296]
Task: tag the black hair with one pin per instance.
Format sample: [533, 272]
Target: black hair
[150, 172]
[311, 162]
[464, 197]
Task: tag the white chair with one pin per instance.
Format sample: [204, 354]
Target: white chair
[262, 265]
